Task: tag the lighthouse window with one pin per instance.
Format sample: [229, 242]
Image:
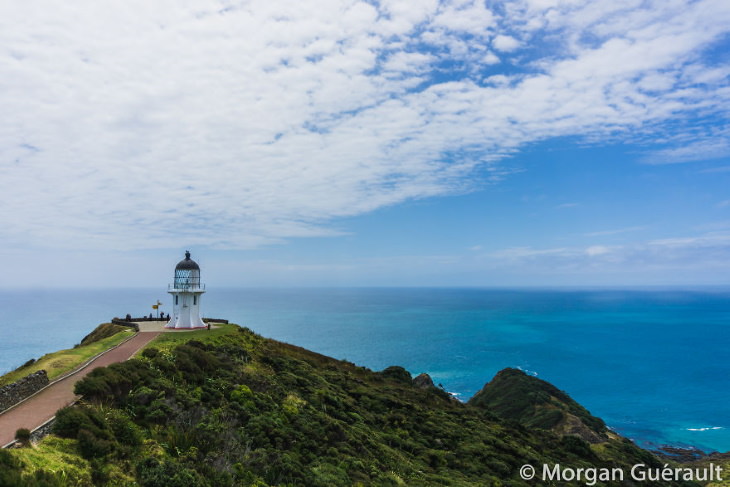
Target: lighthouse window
[195, 300]
[175, 299]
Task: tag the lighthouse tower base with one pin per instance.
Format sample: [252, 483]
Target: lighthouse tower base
[185, 322]
[186, 311]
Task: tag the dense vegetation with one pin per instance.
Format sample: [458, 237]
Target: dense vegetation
[514, 395]
[238, 409]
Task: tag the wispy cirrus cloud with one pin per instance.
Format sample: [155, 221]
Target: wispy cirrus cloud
[714, 148]
[238, 125]
[615, 231]
[707, 251]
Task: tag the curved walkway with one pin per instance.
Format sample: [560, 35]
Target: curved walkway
[41, 407]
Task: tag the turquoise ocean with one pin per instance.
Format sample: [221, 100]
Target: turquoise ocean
[652, 363]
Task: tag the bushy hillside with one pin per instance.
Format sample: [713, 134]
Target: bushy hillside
[513, 394]
[239, 409]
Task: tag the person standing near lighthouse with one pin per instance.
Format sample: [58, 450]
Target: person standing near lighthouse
[186, 292]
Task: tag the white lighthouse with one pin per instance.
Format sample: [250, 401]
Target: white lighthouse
[186, 291]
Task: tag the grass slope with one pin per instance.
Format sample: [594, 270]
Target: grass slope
[105, 330]
[230, 408]
[58, 457]
[63, 361]
[168, 341]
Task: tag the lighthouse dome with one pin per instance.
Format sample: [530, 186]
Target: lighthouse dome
[187, 274]
[187, 263]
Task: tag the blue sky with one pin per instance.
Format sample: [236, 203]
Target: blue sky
[515, 143]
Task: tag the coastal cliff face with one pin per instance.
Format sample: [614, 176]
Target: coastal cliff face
[238, 409]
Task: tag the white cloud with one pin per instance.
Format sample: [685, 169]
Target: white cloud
[490, 58]
[129, 126]
[401, 63]
[691, 151]
[616, 231]
[464, 16]
[597, 250]
[505, 43]
[522, 253]
[498, 80]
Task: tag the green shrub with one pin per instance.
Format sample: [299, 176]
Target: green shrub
[91, 446]
[22, 436]
[154, 473]
[577, 446]
[112, 384]
[70, 420]
[397, 373]
[243, 396]
[125, 431]
[150, 352]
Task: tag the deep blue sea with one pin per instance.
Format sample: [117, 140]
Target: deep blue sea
[653, 364]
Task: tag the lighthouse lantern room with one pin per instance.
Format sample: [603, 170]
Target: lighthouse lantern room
[186, 291]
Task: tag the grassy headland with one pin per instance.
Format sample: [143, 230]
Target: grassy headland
[227, 407]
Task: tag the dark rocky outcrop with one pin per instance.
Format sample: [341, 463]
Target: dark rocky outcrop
[423, 381]
[681, 454]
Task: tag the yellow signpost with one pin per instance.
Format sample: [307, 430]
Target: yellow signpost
[157, 307]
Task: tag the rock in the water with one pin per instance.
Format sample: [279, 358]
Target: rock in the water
[682, 454]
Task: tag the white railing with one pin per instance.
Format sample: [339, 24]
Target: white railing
[186, 287]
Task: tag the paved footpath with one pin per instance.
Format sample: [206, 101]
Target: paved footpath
[43, 406]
